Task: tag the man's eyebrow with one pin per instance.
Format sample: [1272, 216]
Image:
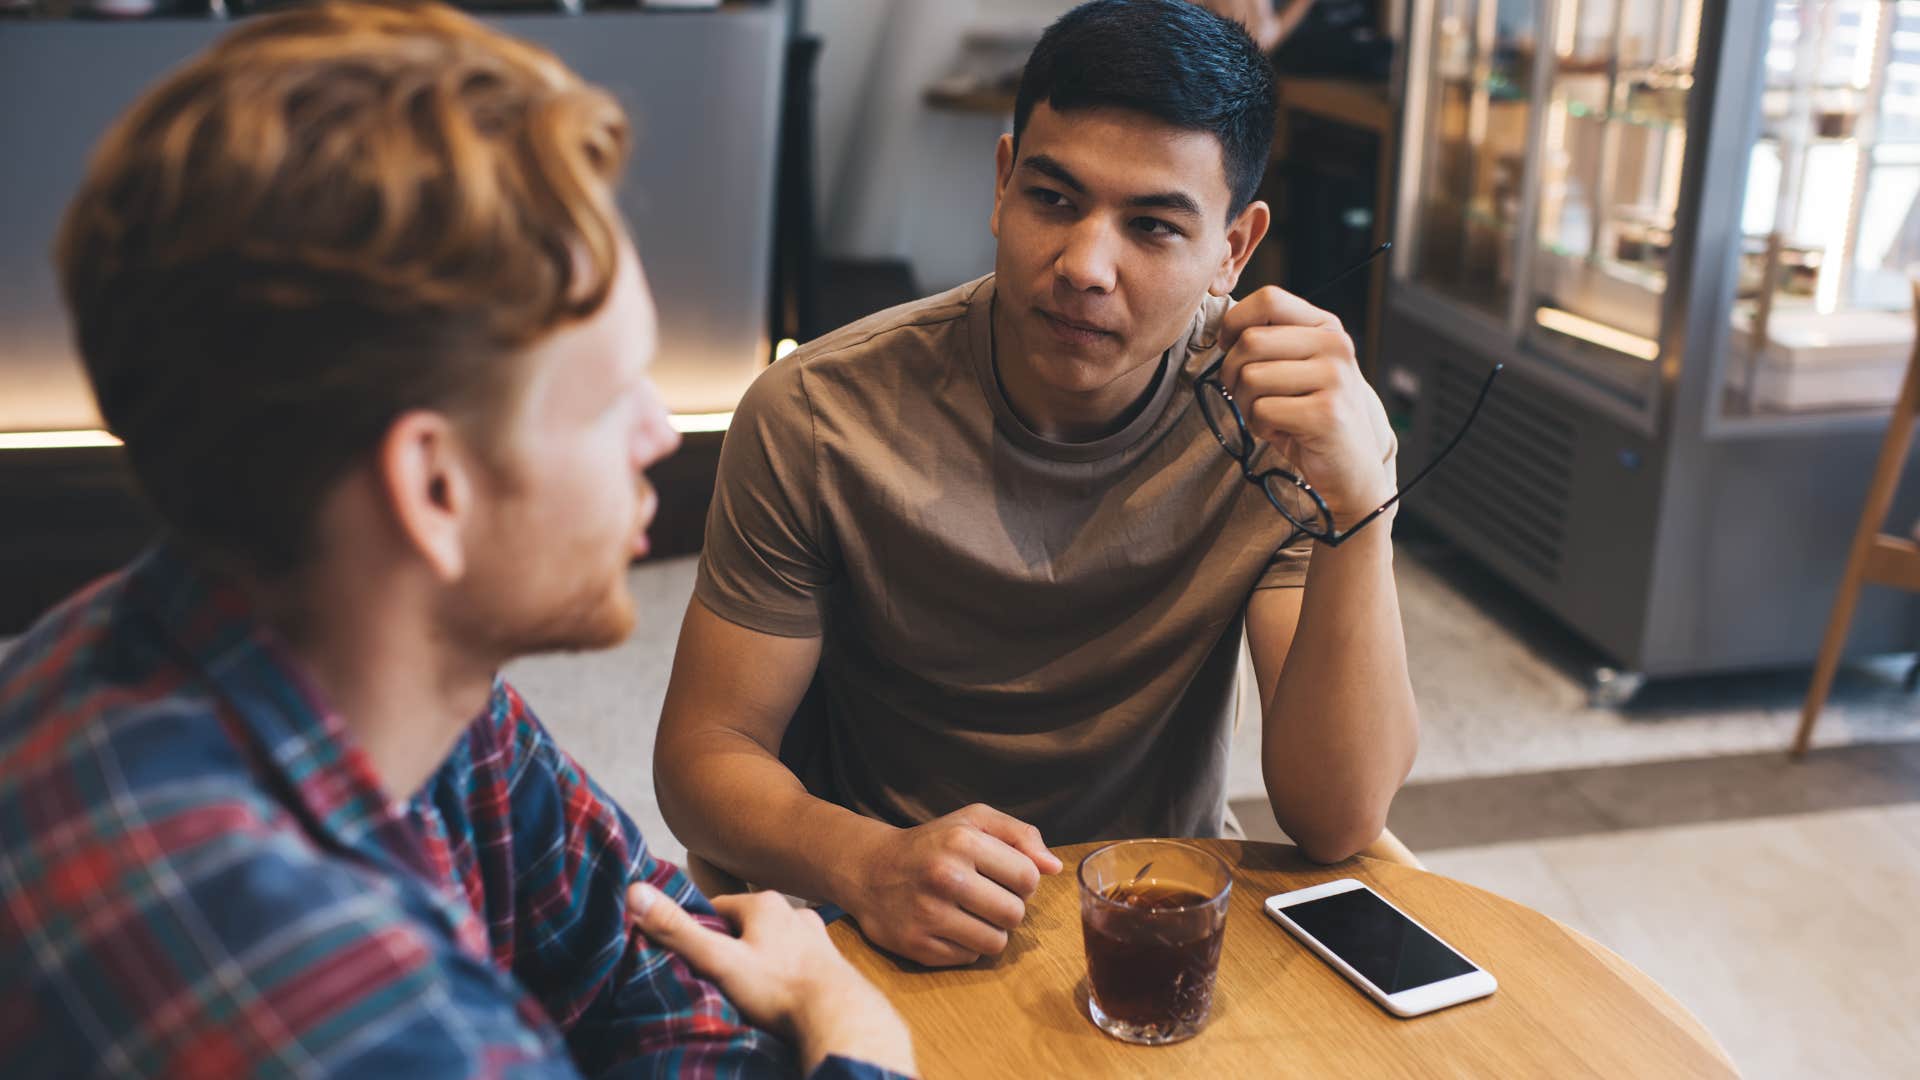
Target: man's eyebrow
[1048, 167]
[1177, 201]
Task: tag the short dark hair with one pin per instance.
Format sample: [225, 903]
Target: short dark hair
[1170, 59]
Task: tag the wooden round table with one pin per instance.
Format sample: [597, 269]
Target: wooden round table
[1565, 1007]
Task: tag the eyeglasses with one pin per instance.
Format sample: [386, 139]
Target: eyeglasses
[1296, 499]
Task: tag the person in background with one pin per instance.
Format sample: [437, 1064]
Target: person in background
[1268, 22]
[352, 287]
[976, 571]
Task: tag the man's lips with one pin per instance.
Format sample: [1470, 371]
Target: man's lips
[1073, 333]
[1074, 324]
[649, 506]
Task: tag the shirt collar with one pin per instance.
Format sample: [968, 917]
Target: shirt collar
[209, 624]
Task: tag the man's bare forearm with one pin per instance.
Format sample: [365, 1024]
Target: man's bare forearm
[741, 809]
[1341, 726]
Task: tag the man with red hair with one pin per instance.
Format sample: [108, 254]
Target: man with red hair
[352, 288]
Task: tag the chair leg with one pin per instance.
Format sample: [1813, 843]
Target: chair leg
[1829, 661]
[1390, 849]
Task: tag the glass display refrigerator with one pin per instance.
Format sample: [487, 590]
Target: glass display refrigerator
[1686, 227]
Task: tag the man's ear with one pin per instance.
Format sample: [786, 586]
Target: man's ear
[426, 478]
[1244, 234]
[1002, 174]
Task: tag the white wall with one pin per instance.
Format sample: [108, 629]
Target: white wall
[898, 179]
[851, 32]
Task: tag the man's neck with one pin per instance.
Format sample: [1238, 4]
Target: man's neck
[1060, 416]
[371, 648]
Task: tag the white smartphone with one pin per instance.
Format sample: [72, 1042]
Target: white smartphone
[1380, 948]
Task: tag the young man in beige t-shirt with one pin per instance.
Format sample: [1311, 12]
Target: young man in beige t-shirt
[993, 534]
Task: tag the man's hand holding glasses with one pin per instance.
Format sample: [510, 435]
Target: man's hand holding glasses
[1290, 371]
[1288, 379]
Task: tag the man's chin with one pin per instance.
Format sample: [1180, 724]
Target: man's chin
[1085, 373]
[581, 627]
[612, 624]
[597, 637]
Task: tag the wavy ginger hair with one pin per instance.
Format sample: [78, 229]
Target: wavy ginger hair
[334, 215]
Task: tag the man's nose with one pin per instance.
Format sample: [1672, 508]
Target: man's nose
[1087, 263]
[653, 436]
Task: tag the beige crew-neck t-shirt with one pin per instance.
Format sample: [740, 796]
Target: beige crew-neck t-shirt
[1049, 628]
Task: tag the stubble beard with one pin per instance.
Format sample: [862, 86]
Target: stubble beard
[595, 615]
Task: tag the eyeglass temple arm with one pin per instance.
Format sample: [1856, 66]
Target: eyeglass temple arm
[1310, 295]
[1438, 458]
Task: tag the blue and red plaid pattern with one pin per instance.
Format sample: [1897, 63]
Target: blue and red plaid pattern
[200, 876]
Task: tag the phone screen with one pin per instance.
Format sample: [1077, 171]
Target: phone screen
[1377, 941]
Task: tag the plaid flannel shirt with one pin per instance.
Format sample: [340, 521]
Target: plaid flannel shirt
[200, 876]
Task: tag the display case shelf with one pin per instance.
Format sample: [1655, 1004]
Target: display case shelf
[1576, 111]
[1473, 144]
[1612, 149]
[1706, 215]
[1830, 217]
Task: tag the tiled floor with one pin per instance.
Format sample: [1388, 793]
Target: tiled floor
[1690, 791]
[1502, 690]
[1791, 938]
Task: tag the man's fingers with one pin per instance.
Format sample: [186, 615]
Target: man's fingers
[968, 933]
[1285, 379]
[922, 946]
[992, 903]
[668, 925]
[1272, 306]
[939, 952]
[741, 910]
[1012, 869]
[1018, 835]
[1263, 344]
[1270, 417]
[758, 916]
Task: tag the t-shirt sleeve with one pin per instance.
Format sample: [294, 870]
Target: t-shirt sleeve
[767, 562]
[1288, 567]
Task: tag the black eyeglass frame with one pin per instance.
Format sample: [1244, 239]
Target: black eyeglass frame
[1209, 380]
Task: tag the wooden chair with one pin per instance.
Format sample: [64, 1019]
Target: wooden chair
[1877, 558]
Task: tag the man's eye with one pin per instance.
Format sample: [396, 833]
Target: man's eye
[1155, 227]
[1047, 196]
